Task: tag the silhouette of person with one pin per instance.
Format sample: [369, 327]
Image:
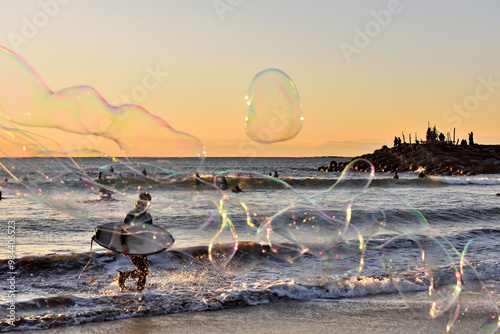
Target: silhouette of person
[139, 215]
[396, 176]
[236, 189]
[197, 179]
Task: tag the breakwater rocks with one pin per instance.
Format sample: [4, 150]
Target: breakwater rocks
[434, 159]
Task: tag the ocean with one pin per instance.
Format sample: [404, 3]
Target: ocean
[306, 235]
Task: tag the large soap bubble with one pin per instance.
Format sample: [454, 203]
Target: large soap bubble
[274, 111]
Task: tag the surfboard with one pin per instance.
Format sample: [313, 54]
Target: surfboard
[142, 239]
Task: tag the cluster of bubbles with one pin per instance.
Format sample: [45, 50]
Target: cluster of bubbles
[332, 237]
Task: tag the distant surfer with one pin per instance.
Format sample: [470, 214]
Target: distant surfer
[276, 174]
[221, 182]
[104, 194]
[396, 176]
[5, 179]
[422, 175]
[139, 215]
[236, 189]
[197, 179]
[99, 176]
[144, 172]
[111, 170]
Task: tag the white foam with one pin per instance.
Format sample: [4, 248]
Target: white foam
[494, 180]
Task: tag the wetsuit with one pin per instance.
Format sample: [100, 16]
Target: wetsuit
[140, 261]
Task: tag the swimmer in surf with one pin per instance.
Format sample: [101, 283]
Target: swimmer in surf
[422, 175]
[138, 215]
[197, 179]
[396, 176]
[236, 189]
[104, 194]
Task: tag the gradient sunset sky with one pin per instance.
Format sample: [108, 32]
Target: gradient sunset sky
[365, 70]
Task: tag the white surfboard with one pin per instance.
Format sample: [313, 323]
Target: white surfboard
[142, 239]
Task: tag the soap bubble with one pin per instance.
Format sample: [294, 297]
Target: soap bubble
[274, 111]
[89, 123]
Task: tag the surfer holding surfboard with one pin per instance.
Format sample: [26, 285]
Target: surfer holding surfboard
[136, 237]
[139, 215]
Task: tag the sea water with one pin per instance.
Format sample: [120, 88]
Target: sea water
[457, 216]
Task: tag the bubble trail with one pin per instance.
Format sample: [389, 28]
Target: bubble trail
[274, 111]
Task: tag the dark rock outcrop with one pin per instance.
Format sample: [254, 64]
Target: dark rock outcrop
[435, 159]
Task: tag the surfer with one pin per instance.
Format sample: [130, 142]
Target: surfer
[236, 189]
[138, 215]
[276, 174]
[396, 176]
[422, 175]
[197, 179]
[99, 176]
[111, 170]
[144, 172]
[104, 194]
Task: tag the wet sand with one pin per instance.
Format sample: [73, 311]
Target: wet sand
[317, 316]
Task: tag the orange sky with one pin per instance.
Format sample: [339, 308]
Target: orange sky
[365, 72]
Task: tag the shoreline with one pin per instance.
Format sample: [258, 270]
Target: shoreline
[378, 315]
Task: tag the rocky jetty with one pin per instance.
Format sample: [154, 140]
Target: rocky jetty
[434, 159]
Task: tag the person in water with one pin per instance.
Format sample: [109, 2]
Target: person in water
[422, 175]
[111, 170]
[144, 172]
[223, 182]
[104, 194]
[138, 215]
[197, 179]
[5, 179]
[99, 176]
[236, 189]
[276, 174]
[396, 176]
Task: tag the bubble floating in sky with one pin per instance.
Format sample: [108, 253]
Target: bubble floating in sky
[274, 111]
[88, 121]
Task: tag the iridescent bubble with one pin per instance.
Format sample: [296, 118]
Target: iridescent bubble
[233, 248]
[274, 111]
[423, 269]
[89, 123]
